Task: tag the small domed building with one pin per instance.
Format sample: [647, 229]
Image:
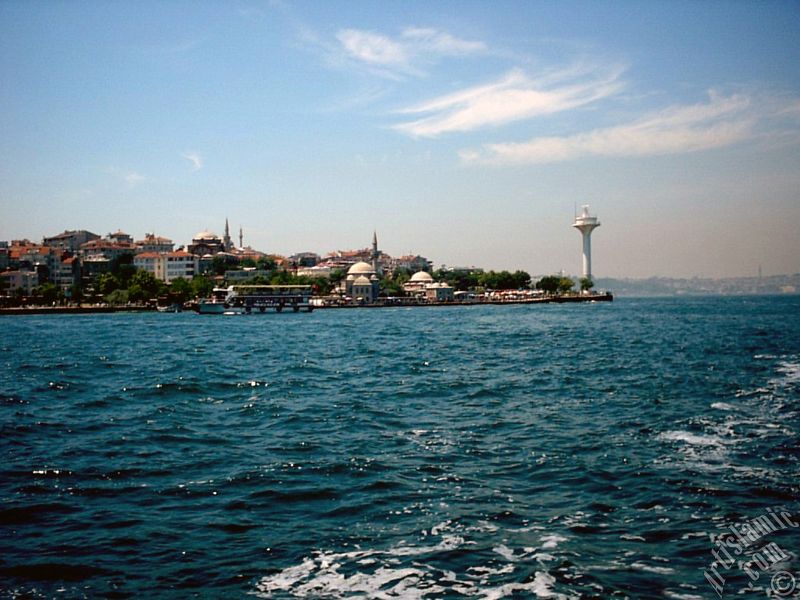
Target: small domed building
[417, 284]
[206, 242]
[361, 283]
[422, 285]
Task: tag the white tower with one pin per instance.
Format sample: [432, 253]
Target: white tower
[586, 224]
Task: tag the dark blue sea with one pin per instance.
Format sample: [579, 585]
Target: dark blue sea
[608, 450]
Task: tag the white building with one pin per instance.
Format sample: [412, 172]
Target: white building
[422, 285]
[154, 243]
[361, 283]
[439, 292]
[167, 266]
[12, 280]
[180, 264]
[417, 284]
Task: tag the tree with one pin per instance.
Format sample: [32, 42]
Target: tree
[76, 293]
[180, 289]
[117, 297]
[202, 287]
[149, 285]
[136, 293]
[282, 277]
[265, 263]
[565, 284]
[548, 284]
[521, 279]
[336, 276]
[459, 279]
[107, 283]
[586, 284]
[48, 292]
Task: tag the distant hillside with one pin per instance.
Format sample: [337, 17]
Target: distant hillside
[664, 286]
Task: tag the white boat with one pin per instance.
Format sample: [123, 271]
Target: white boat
[217, 304]
[172, 308]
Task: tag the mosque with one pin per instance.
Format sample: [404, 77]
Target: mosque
[362, 282]
[206, 242]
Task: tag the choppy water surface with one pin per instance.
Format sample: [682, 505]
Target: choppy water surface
[554, 451]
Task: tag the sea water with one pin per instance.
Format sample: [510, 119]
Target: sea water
[588, 451]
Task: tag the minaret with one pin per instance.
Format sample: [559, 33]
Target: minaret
[241, 244]
[227, 239]
[586, 224]
[375, 252]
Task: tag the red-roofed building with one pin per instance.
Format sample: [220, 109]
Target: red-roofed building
[154, 243]
[70, 240]
[108, 248]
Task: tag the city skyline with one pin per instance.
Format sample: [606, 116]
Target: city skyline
[465, 132]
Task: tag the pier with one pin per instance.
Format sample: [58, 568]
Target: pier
[260, 298]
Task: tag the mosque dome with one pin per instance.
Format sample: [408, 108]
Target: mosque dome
[422, 277]
[361, 281]
[361, 268]
[206, 235]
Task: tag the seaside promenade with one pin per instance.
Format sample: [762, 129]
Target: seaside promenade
[394, 303]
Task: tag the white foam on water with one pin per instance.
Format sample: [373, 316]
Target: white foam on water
[723, 406]
[551, 541]
[540, 587]
[789, 370]
[381, 574]
[691, 438]
[682, 596]
[505, 552]
[640, 566]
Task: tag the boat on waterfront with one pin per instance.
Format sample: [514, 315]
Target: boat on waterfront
[170, 308]
[216, 304]
[249, 299]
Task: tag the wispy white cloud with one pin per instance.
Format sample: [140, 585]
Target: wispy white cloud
[372, 48]
[133, 178]
[722, 121]
[514, 97]
[195, 159]
[403, 55]
[427, 39]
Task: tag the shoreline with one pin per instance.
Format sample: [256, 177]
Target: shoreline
[607, 297]
[86, 310]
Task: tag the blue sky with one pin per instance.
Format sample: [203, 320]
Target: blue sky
[463, 131]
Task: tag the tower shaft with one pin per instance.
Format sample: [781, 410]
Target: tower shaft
[585, 223]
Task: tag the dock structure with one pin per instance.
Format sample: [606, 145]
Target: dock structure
[263, 297]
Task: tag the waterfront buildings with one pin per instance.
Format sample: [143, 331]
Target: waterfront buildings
[206, 242]
[70, 241]
[168, 266]
[154, 243]
[422, 285]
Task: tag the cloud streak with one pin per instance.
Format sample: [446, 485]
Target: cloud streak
[133, 178]
[514, 97]
[403, 55]
[195, 159]
[722, 121]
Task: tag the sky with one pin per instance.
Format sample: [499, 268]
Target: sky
[467, 132]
